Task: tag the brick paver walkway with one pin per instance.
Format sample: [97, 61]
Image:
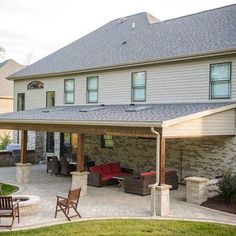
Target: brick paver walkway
[100, 202]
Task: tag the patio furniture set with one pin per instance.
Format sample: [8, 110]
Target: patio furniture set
[135, 183]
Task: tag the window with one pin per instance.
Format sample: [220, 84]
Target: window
[20, 102]
[50, 99]
[69, 91]
[138, 86]
[220, 80]
[106, 141]
[50, 142]
[35, 85]
[92, 89]
[50, 102]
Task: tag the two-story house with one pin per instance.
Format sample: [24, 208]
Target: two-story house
[128, 77]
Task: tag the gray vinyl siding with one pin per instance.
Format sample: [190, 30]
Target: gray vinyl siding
[170, 83]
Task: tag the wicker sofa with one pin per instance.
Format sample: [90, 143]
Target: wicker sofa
[140, 184]
[102, 175]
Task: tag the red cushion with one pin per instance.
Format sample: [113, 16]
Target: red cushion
[107, 177]
[96, 169]
[148, 173]
[115, 167]
[106, 169]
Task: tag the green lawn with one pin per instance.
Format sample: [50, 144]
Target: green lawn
[130, 227]
[8, 189]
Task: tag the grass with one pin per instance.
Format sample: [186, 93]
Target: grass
[130, 227]
[8, 189]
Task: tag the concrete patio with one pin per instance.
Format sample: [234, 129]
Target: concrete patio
[100, 202]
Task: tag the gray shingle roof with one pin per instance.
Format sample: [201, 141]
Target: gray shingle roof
[112, 113]
[200, 33]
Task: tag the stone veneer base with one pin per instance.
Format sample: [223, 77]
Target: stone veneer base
[23, 173]
[80, 180]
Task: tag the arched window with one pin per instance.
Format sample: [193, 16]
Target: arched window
[35, 85]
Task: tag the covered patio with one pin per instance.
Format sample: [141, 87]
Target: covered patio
[106, 202]
[160, 121]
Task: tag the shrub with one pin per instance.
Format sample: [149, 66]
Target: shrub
[227, 186]
[4, 141]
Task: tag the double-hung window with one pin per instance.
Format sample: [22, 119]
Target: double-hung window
[69, 88]
[92, 89]
[220, 80]
[138, 86]
[20, 102]
[50, 98]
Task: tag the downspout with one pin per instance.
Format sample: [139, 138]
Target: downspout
[158, 137]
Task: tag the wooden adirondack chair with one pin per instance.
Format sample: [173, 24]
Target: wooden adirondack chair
[65, 204]
[9, 208]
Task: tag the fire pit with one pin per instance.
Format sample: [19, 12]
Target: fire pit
[29, 204]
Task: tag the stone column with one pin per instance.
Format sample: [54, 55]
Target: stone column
[80, 180]
[23, 173]
[196, 190]
[160, 200]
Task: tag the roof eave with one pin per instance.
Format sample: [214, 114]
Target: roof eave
[88, 123]
[141, 63]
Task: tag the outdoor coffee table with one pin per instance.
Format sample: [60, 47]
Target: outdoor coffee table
[120, 180]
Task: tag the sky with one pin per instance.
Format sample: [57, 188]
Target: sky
[33, 29]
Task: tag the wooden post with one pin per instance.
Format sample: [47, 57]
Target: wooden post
[80, 153]
[23, 152]
[162, 161]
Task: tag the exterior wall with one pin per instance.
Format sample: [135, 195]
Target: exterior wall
[6, 105]
[135, 153]
[202, 157]
[222, 123]
[177, 82]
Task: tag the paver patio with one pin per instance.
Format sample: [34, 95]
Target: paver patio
[100, 202]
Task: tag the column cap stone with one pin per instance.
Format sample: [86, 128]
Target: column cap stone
[196, 179]
[23, 164]
[79, 173]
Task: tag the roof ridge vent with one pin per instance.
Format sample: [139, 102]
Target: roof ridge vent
[91, 109]
[137, 108]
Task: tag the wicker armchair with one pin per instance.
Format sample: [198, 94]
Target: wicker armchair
[140, 184]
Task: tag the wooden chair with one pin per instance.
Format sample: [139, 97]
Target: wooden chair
[65, 204]
[9, 208]
[49, 163]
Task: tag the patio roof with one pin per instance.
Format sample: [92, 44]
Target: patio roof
[142, 115]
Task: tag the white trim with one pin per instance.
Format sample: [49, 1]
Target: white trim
[90, 123]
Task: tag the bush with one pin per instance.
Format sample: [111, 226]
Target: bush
[4, 141]
[227, 186]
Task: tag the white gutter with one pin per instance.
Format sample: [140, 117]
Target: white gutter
[88, 123]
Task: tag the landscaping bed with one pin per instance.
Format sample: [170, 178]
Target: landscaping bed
[130, 227]
[7, 189]
[218, 203]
